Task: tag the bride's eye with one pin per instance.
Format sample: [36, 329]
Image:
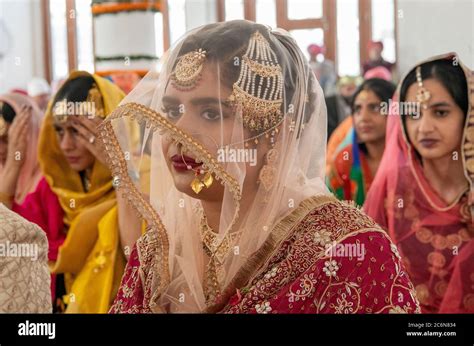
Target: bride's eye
[171, 113]
[210, 114]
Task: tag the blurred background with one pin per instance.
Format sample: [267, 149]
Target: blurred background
[49, 38]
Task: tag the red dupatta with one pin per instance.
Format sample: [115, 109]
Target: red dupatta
[295, 272]
[435, 239]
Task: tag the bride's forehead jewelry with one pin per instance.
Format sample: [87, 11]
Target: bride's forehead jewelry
[258, 91]
[422, 95]
[187, 72]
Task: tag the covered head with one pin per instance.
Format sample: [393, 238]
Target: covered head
[63, 157]
[11, 105]
[233, 135]
[430, 125]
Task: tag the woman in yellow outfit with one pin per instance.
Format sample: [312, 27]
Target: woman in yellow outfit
[97, 226]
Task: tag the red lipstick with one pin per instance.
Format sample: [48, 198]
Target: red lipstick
[184, 163]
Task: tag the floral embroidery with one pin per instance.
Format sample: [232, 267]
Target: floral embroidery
[310, 283]
[343, 306]
[303, 290]
[271, 274]
[298, 278]
[331, 268]
[322, 237]
[263, 308]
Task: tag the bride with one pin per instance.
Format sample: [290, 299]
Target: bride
[231, 234]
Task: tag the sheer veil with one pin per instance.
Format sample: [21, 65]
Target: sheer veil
[259, 151]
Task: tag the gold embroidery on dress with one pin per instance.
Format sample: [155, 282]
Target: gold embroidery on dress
[287, 265]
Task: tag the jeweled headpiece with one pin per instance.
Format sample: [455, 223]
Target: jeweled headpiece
[422, 95]
[187, 72]
[259, 89]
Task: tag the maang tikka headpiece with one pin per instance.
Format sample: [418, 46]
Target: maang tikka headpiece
[187, 72]
[259, 89]
[422, 95]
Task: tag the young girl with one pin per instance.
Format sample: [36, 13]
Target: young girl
[421, 192]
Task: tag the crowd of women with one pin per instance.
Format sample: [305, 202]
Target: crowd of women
[132, 208]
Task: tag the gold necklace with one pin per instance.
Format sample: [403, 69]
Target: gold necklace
[217, 252]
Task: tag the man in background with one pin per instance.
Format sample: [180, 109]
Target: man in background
[375, 49]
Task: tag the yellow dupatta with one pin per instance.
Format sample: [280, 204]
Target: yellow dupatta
[91, 256]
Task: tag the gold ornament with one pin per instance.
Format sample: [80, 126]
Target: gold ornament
[422, 95]
[267, 175]
[470, 165]
[217, 251]
[197, 185]
[60, 112]
[187, 72]
[259, 89]
[95, 97]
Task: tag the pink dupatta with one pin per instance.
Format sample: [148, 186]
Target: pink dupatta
[435, 239]
[30, 173]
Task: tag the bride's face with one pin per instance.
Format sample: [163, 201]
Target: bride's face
[204, 113]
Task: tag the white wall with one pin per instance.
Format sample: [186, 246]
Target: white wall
[432, 27]
[200, 12]
[21, 19]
